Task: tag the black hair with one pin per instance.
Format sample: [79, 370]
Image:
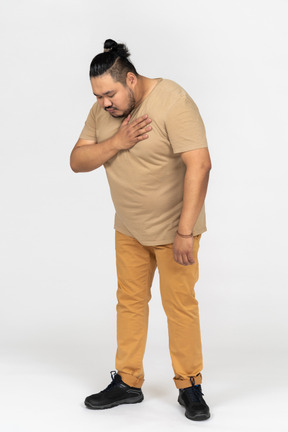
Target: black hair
[113, 60]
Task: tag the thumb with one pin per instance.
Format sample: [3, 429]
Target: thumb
[126, 120]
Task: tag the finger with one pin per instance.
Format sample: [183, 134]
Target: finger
[185, 260]
[144, 130]
[179, 259]
[142, 124]
[140, 119]
[126, 120]
[142, 137]
[190, 258]
[144, 119]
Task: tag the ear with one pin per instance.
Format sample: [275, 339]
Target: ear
[131, 79]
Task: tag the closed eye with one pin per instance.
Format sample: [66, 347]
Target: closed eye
[106, 94]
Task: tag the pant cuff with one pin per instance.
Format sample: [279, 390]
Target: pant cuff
[182, 383]
[131, 380]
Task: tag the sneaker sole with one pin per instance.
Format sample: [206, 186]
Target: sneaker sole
[133, 400]
[196, 417]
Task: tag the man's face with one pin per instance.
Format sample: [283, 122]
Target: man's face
[113, 96]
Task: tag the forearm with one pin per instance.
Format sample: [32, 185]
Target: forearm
[89, 157]
[195, 189]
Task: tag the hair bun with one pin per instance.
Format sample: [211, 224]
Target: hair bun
[113, 60]
[110, 45]
[120, 50]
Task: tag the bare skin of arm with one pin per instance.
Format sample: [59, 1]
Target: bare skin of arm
[88, 155]
[198, 166]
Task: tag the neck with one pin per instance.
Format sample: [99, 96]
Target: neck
[143, 88]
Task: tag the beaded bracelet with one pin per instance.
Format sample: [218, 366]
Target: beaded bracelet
[185, 235]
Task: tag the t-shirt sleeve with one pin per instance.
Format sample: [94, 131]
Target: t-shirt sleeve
[185, 127]
[89, 129]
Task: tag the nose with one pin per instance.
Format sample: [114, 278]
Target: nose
[106, 102]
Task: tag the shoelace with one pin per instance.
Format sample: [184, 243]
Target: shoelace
[195, 391]
[113, 383]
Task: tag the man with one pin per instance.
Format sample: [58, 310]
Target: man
[150, 137]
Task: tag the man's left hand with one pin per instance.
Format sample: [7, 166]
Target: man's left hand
[182, 250]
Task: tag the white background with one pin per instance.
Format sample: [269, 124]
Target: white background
[58, 280]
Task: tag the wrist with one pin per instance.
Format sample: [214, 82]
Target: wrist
[185, 228]
[184, 235]
[115, 143]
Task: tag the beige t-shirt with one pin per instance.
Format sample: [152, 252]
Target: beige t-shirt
[147, 181]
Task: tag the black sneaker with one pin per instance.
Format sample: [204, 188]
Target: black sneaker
[116, 393]
[191, 398]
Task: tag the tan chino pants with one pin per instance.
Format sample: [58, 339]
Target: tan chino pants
[136, 265]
